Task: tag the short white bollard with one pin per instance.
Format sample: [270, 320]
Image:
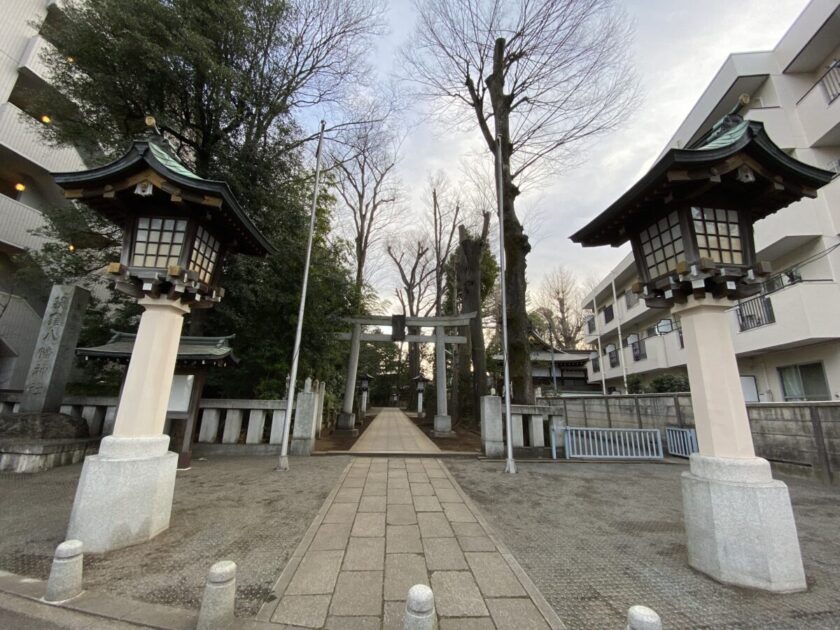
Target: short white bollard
[643, 618]
[219, 597]
[65, 580]
[420, 609]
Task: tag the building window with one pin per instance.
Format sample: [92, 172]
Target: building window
[158, 242]
[204, 254]
[590, 325]
[637, 347]
[608, 314]
[804, 382]
[596, 365]
[662, 245]
[718, 235]
[630, 299]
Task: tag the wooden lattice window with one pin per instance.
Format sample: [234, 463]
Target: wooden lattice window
[159, 242]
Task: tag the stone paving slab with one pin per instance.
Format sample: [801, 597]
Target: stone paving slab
[392, 432]
[369, 553]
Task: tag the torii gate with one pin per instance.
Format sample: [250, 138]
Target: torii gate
[398, 323]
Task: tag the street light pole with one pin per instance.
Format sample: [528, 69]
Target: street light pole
[510, 465]
[283, 463]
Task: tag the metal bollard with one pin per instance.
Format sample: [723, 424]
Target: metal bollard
[65, 580]
[219, 597]
[643, 618]
[420, 609]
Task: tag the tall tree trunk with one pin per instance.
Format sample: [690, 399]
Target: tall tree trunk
[471, 252]
[515, 240]
[413, 354]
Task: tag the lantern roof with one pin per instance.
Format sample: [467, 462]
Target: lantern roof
[149, 158]
[215, 351]
[711, 172]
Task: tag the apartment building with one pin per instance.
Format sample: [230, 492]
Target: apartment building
[787, 339]
[25, 183]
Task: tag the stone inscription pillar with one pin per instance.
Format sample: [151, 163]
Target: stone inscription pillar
[55, 349]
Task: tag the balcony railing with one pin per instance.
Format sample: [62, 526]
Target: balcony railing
[755, 313]
[830, 82]
[639, 350]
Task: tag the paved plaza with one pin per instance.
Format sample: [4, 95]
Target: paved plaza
[225, 508]
[392, 432]
[597, 538]
[337, 541]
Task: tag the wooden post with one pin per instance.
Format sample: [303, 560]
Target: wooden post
[583, 405]
[819, 441]
[638, 411]
[185, 450]
[680, 421]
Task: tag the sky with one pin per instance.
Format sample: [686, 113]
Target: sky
[678, 47]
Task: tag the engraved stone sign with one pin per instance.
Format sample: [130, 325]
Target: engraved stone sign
[55, 349]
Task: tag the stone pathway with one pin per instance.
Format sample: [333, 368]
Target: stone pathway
[392, 432]
[390, 524]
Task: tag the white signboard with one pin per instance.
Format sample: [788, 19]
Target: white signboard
[179, 395]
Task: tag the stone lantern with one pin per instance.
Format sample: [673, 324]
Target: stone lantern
[364, 386]
[177, 228]
[421, 381]
[690, 222]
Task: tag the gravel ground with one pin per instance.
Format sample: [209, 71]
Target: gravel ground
[227, 508]
[599, 538]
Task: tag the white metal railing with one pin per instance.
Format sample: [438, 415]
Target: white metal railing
[681, 442]
[612, 443]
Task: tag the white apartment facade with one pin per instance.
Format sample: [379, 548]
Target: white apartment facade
[788, 339]
[25, 184]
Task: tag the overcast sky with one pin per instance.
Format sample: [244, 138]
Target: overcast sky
[679, 45]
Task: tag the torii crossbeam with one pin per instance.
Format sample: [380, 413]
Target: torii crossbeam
[443, 422]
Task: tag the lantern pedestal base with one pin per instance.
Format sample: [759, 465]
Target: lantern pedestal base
[346, 424]
[443, 427]
[124, 496]
[739, 524]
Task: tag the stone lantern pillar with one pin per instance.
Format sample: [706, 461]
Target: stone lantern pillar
[690, 221]
[177, 229]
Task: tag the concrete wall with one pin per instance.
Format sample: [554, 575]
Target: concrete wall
[803, 438]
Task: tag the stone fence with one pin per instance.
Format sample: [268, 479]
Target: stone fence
[220, 421]
[798, 437]
[530, 425]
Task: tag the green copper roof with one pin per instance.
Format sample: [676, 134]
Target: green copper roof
[171, 162]
[723, 138]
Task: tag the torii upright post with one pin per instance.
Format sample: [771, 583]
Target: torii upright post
[347, 419]
[443, 421]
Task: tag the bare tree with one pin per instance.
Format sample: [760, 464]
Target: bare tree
[446, 210]
[415, 292]
[540, 75]
[365, 160]
[560, 306]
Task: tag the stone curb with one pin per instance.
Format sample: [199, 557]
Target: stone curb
[531, 589]
[268, 608]
[114, 608]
